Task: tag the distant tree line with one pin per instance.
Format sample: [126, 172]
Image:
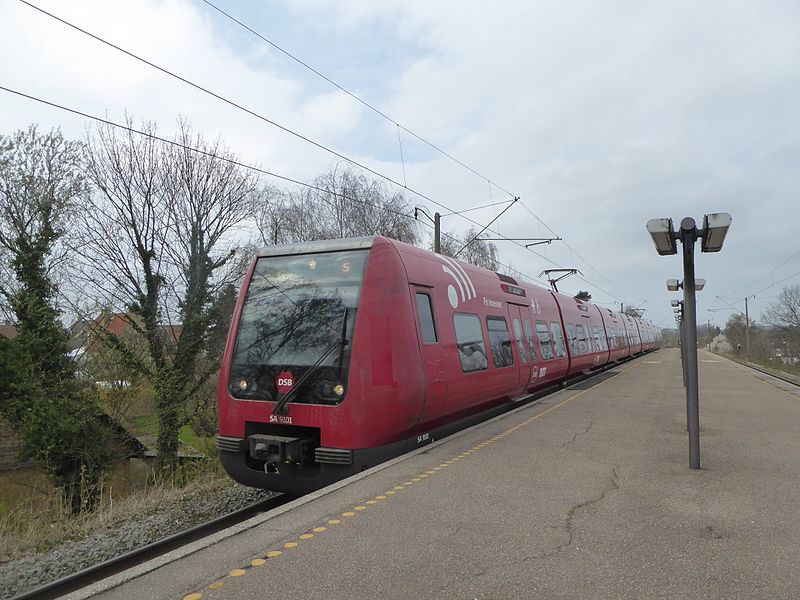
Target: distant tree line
[776, 340]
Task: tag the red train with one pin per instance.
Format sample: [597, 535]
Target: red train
[345, 353]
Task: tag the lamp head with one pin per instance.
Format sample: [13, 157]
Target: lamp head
[715, 228]
[663, 234]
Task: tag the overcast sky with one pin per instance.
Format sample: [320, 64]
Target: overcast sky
[598, 115]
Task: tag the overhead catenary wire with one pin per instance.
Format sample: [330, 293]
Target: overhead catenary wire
[303, 137]
[493, 204]
[227, 160]
[199, 151]
[249, 111]
[770, 272]
[354, 96]
[571, 249]
[231, 161]
[475, 237]
[238, 106]
[769, 287]
[382, 114]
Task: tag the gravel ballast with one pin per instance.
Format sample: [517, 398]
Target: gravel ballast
[123, 535]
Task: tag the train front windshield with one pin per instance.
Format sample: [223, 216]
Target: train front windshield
[296, 327]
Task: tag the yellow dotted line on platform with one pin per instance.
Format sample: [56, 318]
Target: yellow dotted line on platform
[349, 514]
[273, 554]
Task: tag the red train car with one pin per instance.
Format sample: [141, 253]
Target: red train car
[344, 353]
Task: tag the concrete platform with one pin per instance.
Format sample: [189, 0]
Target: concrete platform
[587, 494]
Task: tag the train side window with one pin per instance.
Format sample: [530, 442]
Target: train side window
[544, 340]
[427, 324]
[529, 335]
[520, 347]
[500, 341]
[580, 335]
[573, 341]
[558, 338]
[598, 339]
[469, 340]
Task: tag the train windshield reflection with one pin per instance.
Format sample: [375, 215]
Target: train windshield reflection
[297, 308]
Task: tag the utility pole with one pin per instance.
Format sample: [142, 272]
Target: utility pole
[746, 330]
[437, 233]
[437, 227]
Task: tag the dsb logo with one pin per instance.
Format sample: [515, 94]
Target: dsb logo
[284, 382]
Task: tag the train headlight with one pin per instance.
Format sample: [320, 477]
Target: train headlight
[338, 389]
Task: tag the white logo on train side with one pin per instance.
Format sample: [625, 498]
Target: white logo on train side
[461, 279]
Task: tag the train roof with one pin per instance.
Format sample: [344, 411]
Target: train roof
[361, 243]
[365, 243]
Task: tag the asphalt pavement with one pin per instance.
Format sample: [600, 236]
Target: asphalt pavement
[587, 494]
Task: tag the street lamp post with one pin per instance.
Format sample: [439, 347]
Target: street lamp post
[711, 236]
[677, 308]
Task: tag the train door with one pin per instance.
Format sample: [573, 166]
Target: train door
[431, 348]
[520, 323]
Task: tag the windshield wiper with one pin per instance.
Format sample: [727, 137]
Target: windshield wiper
[280, 408]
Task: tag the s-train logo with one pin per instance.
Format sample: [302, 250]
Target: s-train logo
[461, 279]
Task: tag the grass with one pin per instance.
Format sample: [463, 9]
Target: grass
[187, 436]
[144, 425]
[33, 517]
[148, 425]
[38, 520]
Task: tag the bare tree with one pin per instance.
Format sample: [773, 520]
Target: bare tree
[784, 314]
[735, 331]
[158, 242]
[39, 183]
[477, 251]
[340, 204]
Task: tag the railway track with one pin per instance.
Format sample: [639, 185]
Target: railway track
[86, 577]
[785, 377]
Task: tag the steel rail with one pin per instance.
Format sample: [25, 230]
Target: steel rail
[112, 566]
[785, 377]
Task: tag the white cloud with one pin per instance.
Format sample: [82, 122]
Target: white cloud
[57, 63]
[599, 115]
